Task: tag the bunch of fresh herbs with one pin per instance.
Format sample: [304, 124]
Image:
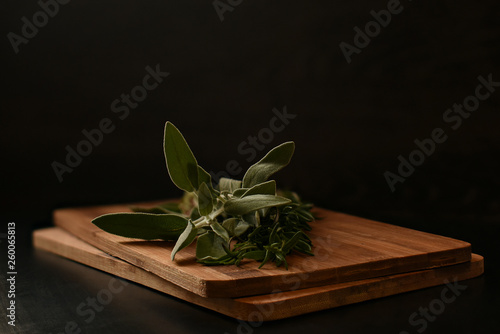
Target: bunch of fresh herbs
[232, 221]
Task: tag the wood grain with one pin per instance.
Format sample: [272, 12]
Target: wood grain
[347, 248]
[266, 307]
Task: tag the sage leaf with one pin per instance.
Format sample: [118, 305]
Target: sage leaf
[230, 224]
[252, 218]
[209, 246]
[274, 161]
[195, 214]
[205, 200]
[146, 226]
[220, 231]
[264, 188]
[229, 185]
[204, 176]
[291, 195]
[235, 226]
[241, 227]
[185, 239]
[240, 206]
[239, 192]
[181, 163]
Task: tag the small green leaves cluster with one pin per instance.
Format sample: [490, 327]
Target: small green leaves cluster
[231, 221]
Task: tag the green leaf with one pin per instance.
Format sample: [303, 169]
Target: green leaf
[267, 256]
[255, 255]
[205, 200]
[146, 226]
[290, 194]
[185, 239]
[204, 176]
[264, 188]
[273, 235]
[303, 247]
[239, 192]
[220, 231]
[235, 226]
[252, 218]
[195, 214]
[229, 224]
[229, 185]
[181, 163]
[274, 161]
[240, 206]
[209, 246]
[290, 244]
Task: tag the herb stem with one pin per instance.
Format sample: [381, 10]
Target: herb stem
[198, 220]
[215, 213]
[201, 222]
[205, 220]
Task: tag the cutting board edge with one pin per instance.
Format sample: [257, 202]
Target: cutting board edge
[219, 288]
[92, 238]
[315, 278]
[243, 308]
[457, 272]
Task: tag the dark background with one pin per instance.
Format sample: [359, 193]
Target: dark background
[353, 120]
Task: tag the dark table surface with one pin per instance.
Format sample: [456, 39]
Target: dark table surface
[50, 291]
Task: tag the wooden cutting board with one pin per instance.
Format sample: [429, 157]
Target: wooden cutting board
[264, 307]
[347, 248]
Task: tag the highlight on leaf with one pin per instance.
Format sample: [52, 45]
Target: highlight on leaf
[181, 163]
[140, 225]
[273, 162]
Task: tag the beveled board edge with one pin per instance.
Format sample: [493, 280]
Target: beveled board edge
[251, 286]
[269, 307]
